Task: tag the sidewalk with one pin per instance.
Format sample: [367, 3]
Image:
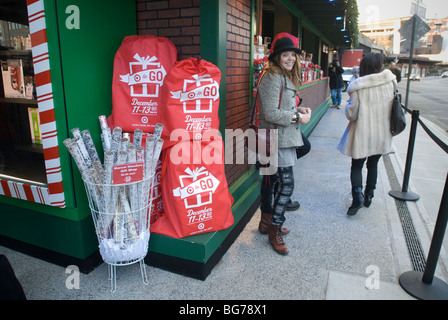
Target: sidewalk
[332, 256]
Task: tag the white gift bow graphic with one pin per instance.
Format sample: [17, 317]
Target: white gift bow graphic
[206, 184]
[209, 91]
[144, 76]
[199, 79]
[145, 61]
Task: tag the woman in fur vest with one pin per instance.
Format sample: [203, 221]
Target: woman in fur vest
[367, 136]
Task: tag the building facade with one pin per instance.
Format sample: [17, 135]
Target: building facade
[71, 63]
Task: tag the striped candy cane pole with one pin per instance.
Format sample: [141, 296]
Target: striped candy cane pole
[41, 62]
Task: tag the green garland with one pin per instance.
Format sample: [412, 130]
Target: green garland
[352, 21]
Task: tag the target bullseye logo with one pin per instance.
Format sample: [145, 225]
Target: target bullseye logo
[191, 95]
[144, 120]
[137, 78]
[201, 226]
[190, 190]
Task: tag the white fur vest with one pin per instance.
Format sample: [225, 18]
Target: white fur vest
[368, 110]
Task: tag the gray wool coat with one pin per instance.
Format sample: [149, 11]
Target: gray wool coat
[271, 116]
[368, 111]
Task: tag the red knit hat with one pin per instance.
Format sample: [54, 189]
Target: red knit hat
[294, 39]
[282, 44]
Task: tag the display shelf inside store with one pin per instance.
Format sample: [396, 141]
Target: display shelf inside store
[15, 53]
[24, 166]
[21, 160]
[19, 101]
[33, 147]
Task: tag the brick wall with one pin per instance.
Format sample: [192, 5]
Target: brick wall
[238, 75]
[315, 94]
[177, 20]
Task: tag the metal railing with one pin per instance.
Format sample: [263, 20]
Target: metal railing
[424, 285]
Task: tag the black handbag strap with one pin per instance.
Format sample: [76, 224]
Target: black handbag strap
[254, 102]
[254, 106]
[395, 86]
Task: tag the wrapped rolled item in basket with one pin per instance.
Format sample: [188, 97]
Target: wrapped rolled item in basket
[120, 208]
[106, 134]
[121, 231]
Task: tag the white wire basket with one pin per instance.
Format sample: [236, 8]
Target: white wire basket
[121, 215]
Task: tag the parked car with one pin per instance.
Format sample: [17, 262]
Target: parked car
[415, 77]
[444, 74]
[346, 76]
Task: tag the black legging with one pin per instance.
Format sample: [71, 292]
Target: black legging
[276, 190]
[277, 206]
[372, 171]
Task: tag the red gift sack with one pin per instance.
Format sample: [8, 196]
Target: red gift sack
[191, 98]
[140, 67]
[199, 200]
[156, 195]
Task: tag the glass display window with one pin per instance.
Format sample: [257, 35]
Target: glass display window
[29, 163]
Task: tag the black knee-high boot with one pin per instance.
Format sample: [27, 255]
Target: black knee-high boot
[358, 200]
[368, 195]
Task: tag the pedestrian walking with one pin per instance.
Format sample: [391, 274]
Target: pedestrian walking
[336, 83]
[279, 109]
[355, 74]
[368, 135]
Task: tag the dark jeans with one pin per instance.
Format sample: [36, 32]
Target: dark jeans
[336, 96]
[372, 171]
[276, 204]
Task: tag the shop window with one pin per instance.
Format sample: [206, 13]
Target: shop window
[21, 152]
[29, 155]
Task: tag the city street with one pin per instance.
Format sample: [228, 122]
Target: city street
[430, 97]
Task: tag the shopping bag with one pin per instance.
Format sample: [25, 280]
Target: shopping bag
[191, 99]
[140, 67]
[199, 200]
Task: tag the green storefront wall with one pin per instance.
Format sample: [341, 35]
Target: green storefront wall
[81, 63]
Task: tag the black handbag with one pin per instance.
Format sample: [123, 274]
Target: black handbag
[397, 117]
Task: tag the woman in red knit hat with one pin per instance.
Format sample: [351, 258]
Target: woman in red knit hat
[279, 109]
